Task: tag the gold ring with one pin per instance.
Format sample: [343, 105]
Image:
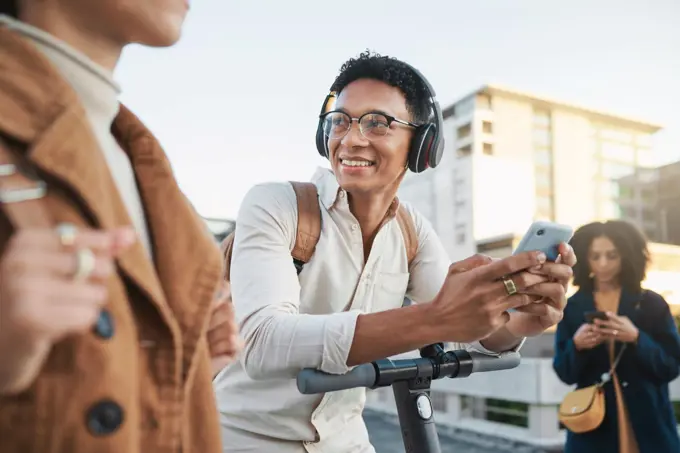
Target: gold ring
[85, 262]
[510, 287]
[67, 234]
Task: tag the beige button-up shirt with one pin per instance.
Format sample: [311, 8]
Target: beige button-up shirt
[290, 322]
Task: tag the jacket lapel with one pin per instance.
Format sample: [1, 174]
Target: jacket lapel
[188, 261]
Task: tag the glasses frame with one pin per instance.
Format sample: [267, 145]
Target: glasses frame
[390, 119]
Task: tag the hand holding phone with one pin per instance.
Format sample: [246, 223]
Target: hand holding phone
[545, 237]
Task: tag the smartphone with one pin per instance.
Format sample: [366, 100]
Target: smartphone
[545, 237]
[591, 316]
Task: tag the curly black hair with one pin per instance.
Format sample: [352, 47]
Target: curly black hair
[9, 7]
[629, 241]
[393, 72]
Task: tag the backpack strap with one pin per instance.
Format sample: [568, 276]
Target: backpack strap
[408, 230]
[309, 223]
[21, 191]
[308, 229]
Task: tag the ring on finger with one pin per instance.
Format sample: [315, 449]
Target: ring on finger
[85, 263]
[510, 286]
[67, 233]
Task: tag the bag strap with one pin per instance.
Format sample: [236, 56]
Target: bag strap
[408, 230]
[616, 361]
[309, 223]
[21, 191]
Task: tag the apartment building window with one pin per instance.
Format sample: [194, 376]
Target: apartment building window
[615, 170]
[543, 158]
[487, 148]
[644, 140]
[617, 151]
[543, 180]
[464, 131]
[617, 135]
[464, 150]
[541, 118]
[460, 234]
[487, 127]
[542, 137]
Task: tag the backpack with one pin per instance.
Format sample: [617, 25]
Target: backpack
[309, 230]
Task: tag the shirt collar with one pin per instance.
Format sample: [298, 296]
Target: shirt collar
[330, 192]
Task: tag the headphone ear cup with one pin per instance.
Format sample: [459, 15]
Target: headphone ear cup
[321, 140]
[421, 146]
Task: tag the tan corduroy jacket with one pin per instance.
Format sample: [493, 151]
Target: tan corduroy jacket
[140, 380]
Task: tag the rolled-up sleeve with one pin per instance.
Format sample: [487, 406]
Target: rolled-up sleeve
[428, 272]
[279, 340]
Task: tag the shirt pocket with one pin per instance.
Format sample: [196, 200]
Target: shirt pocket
[390, 290]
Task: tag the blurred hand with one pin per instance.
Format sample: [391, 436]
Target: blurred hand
[617, 327]
[223, 332]
[52, 286]
[587, 337]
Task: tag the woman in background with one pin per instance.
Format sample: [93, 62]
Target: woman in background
[612, 261]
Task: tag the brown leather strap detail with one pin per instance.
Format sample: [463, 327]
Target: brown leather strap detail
[408, 230]
[309, 220]
[227, 247]
[15, 187]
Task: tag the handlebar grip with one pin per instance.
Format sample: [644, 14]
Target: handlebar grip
[311, 381]
[482, 362]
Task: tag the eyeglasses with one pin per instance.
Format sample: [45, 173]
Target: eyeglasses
[336, 124]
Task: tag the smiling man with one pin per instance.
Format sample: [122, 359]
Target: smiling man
[343, 307]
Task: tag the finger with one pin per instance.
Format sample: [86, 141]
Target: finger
[99, 241]
[608, 332]
[227, 346]
[553, 291]
[514, 302]
[61, 264]
[567, 255]
[521, 280]
[535, 309]
[223, 313]
[559, 272]
[510, 265]
[470, 263]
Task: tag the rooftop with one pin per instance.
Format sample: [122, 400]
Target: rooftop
[548, 103]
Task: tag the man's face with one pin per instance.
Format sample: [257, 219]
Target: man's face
[373, 161]
[156, 23]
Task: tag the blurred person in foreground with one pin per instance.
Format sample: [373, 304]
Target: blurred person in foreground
[113, 318]
[345, 306]
[612, 261]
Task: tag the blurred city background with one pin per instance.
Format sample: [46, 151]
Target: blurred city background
[558, 111]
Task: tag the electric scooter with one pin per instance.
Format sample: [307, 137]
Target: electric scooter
[410, 380]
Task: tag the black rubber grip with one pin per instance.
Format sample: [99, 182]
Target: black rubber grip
[310, 381]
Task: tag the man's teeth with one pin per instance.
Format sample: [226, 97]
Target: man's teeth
[356, 163]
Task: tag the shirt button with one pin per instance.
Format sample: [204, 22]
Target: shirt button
[104, 328]
[341, 194]
[104, 418]
[355, 227]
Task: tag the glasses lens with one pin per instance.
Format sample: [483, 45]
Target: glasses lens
[374, 125]
[336, 124]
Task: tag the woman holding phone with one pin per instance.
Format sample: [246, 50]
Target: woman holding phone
[611, 315]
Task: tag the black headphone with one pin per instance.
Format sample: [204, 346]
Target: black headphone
[427, 145]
